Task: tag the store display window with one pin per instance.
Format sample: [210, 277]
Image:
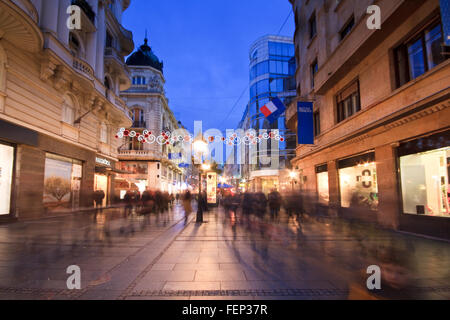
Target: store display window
[358, 182]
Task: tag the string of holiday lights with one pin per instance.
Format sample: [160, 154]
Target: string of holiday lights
[169, 139]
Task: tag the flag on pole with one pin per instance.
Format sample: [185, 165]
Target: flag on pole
[273, 110]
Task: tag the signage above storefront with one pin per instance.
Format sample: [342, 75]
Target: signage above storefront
[103, 161]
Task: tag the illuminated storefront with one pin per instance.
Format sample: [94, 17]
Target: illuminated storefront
[323, 192]
[62, 183]
[424, 176]
[6, 178]
[358, 182]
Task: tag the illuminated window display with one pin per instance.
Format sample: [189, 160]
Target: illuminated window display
[425, 184]
[62, 183]
[6, 172]
[358, 182]
[322, 184]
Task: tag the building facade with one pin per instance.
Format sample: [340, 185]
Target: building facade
[272, 69]
[153, 165]
[381, 152]
[59, 104]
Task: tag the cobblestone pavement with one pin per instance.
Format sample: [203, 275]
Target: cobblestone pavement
[227, 257]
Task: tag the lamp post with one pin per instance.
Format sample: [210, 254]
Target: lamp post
[293, 175]
[200, 148]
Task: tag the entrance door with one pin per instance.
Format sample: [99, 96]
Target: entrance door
[101, 183]
[6, 172]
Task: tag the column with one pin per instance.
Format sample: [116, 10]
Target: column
[388, 196]
[49, 19]
[101, 34]
[63, 31]
[333, 186]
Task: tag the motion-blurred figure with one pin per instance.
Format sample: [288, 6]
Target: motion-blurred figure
[274, 200]
[187, 199]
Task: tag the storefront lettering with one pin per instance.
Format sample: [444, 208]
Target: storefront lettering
[103, 161]
[367, 183]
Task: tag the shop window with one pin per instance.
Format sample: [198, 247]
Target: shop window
[6, 174]
[348, 102]
[62, 183]
[358, 182]
[422, 53]
[323, 192]
[424, 179]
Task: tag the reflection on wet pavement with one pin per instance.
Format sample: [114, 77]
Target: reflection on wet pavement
[231, 255]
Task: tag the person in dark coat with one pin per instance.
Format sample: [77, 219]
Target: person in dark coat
[274, 200]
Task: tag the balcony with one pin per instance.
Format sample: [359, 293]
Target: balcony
[125, 36]
[116, 64]
[140, 155]
[139, 125]
[83, 68]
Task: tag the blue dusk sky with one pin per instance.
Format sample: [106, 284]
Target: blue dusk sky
[204, 45]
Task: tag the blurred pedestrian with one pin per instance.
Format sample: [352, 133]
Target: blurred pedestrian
[187, 199]
[274, 200]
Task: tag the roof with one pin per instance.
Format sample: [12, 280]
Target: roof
[144, 56]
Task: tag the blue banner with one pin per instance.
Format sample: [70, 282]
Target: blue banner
[173, 156]
[445, 17]
[305, 123]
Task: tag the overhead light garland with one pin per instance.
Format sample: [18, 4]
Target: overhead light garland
[166, 137]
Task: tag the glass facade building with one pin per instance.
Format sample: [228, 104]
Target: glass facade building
[272, 74]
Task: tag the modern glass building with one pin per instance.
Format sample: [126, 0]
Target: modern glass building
[272, 74]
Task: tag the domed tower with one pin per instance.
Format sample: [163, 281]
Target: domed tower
[149, 106]
[144, 56]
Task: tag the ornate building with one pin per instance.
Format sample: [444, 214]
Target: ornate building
[149, 162]
[59, 103]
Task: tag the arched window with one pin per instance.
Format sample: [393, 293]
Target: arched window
[103, 133]
[138, 117]
[68, 110]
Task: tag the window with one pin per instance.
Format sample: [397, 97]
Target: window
[314, 69]
[316, 117]
[420, 54]
[109, 40]
[323, 192]
[103, 133]
[74, 44]
[68, 111]
[347, 28]
[138, 118]
[6, 178]
[424, 175]
[312, 26]
[358, 182]
[139, 80]
[62, 183]
[348, 102]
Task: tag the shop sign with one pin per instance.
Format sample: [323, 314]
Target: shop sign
[211, 187]
[103, 161]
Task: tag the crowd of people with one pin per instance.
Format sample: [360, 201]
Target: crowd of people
[258, 204]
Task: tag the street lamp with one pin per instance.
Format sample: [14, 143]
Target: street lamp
[293, 175]
[200, 148]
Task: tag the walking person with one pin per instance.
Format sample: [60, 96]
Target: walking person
[274, 200]
[187, 199]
